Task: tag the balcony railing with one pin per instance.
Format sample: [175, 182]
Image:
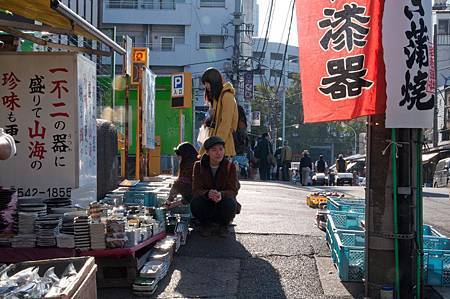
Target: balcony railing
[212, 3]
[165, 46]
[143, 4]
[443, 39]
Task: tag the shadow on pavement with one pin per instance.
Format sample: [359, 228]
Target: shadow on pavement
[434, 194]
[219, 267]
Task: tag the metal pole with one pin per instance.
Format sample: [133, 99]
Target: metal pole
[356, 138]
[139, 127]
[113, 73]
[283, 99]
[435, 115]
[237, 40]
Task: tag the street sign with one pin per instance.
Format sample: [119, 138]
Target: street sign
[178, 85]
[181, 90]
[139, 58]
[256, 118]
[248, 85]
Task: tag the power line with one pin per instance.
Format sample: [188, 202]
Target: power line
[282, 34]
[268, 28]
[286, 47]
[263, 23]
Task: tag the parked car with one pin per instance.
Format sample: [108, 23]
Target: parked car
[441, 176]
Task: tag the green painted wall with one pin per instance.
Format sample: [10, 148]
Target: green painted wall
[167, 118]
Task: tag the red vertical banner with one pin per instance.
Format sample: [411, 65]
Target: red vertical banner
[341, 59]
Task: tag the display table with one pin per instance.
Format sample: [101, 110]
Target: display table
[10, 255]
[118, 252]
[119, 267]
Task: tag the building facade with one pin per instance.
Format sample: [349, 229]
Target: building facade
[267, 65]
[182, 35]
[186, 36]
[441, 22]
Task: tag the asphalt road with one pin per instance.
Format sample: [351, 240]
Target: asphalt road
[436, 205]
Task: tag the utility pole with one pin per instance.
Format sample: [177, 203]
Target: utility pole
[393, 205]
[435, 115]
[283, 100]
[237, 22]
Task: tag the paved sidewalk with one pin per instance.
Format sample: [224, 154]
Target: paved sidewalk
[273, 251]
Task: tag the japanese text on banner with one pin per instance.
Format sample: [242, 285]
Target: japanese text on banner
[344, 37]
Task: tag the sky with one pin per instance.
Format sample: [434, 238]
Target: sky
[280, 17]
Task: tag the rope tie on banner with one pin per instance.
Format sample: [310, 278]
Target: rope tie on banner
[397, 145]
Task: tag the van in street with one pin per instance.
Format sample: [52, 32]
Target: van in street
[441, 176]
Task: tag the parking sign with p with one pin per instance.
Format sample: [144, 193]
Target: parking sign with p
[177, 85]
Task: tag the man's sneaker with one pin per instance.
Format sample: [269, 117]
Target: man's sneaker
[223, 231]
[205, 231]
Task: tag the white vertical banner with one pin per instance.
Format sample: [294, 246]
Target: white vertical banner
[87, 128]
[148, 109]
[407, 36]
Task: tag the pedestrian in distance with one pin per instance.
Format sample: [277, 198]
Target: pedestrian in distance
[305, 167]
[277, 156]
[286, 159]
[321, 165]
[223, 119]
[215, 187]
[263, 152]
[187, 155]
[341, 164]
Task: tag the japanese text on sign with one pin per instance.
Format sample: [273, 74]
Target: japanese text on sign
[340, 46]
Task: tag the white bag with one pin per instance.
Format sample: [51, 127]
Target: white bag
[203, 134]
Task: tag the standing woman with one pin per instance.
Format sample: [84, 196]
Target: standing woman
[224, 117]
[187, 155]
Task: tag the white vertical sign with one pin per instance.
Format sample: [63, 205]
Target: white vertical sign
[407, 36]
[87, 129]
[49, 112]
[148, 109]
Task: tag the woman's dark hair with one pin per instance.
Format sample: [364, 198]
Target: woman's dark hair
[213, 77]
[188, 155]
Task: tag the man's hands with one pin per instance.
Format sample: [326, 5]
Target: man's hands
[214, 195]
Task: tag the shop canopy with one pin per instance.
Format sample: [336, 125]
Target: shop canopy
[56, 18]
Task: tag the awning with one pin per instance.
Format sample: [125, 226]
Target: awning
[60, 17]
[428, 157]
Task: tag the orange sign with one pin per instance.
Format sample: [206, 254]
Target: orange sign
[140, 55]
[139, 59]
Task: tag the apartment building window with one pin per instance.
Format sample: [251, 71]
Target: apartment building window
[212, 3]
[443, 26]
[211, 41]
[276, 56]
[122, 3]
[167, 44]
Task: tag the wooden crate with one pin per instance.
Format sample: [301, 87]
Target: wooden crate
[84, 287]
